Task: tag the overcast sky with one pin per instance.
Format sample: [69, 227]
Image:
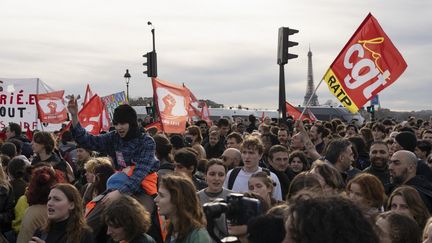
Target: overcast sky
[222, 50]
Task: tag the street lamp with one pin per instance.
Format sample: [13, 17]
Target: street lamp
[127, 77]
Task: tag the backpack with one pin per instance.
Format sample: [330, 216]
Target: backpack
[234, 173]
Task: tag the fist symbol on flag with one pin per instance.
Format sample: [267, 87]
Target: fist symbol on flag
[169, 102]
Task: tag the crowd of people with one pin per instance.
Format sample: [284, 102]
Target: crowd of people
[237, 181]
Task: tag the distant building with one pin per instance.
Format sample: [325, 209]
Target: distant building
[324, 113]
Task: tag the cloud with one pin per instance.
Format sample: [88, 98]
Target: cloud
[224, 50]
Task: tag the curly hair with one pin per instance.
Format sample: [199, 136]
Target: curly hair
[253, 143]
[189, 213]
[93, 162]
[328, 220]
[42, 179]
[129, 214]
[302, 156]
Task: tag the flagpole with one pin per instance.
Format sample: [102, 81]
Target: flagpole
[310, 98]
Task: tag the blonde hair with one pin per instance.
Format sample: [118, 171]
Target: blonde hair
[426, 229]
[92, 163]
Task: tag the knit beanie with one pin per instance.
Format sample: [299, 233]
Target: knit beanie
[125, 114]
[407, 140]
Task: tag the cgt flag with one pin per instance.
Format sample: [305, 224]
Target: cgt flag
[172, 102]
[367, 64]
[51, 107]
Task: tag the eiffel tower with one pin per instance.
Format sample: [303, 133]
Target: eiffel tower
[310, 84]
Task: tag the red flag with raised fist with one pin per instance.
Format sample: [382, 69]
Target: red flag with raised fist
[171, 102]
[51, 107]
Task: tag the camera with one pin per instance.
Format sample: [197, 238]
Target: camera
[237, 208]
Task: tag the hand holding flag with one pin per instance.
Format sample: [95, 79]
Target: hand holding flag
[73, 108]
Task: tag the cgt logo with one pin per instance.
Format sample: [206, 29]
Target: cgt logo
[364, 69]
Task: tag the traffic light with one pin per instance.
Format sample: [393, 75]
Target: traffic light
[151, 64]
[371, 109]
[284, 43]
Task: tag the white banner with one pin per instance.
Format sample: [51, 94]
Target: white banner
[18, 102]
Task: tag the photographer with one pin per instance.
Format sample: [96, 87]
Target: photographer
[239, 210]
[240, 229]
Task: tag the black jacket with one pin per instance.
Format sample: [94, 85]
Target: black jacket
[424, 187]
[216, 151]
[55, 160]
[283, 179]
[424, 170]
[382, 174]
[7, 204]
[57, 233]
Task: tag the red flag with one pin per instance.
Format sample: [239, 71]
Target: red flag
[29, 134]
[51, 107]
[205, 113]
[90, 115]
[88, 95]
[367, 64]
[105, 118]
[3, 136]
[295, 113]
[157, 125]
[193, 109]
[171, 102]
